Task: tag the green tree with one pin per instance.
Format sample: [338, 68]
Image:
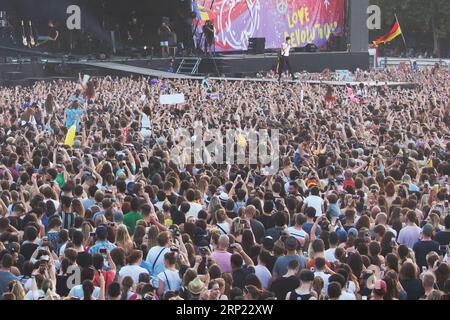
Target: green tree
[425, 21]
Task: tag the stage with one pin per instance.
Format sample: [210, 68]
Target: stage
[20, 64]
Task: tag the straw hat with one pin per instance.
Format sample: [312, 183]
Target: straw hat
[196, 286]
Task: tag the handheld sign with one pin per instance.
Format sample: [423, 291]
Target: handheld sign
[177, 98]
[214, 96]
[86, 79]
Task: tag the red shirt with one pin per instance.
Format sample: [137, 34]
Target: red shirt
[349, 182]
[109, 278]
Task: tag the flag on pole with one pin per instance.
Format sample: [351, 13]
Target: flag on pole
[394, 33]
[201, 12]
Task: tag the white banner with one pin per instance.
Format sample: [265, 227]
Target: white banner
[171, 98]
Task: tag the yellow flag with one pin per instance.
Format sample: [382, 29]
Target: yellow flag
[70, 135]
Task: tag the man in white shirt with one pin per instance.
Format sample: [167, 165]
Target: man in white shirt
[334, 241]
[315, 201]
[410, 233]
[297, 230]
[283, 59]
[320, 272]
[133, 270]
[195, 207]
[261, 270]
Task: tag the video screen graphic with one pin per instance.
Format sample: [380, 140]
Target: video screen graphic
[305, 21]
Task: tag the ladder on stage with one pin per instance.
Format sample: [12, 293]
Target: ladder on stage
[189, 65]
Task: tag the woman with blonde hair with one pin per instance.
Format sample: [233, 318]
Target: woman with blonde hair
[434, 220]
[101, 219]
[86, 229]
[202, 185]
[151, 237]
[123, 239]
[16, 288]
[213, 206]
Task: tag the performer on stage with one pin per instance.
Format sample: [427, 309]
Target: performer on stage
[164, 33]
[135, 30]
[283, 59]
[208, 31]
[50, 36]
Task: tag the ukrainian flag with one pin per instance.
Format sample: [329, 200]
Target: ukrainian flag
[201, 12]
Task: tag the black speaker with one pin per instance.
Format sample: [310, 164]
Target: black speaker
[256, 45]
[310, 47]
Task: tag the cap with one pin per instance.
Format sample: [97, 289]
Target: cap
[291, 243]
[101, 231]
[342, 235]
[352, 232]
[223, 197]
[268, 243]
[130, 187]
[427, 230]
[118, 217]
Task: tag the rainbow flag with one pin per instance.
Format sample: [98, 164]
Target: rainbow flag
[201, 12]
[394, 33]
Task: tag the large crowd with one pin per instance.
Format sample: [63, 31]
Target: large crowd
[358, 210]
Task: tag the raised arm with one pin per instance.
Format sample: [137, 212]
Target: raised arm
[248, 261]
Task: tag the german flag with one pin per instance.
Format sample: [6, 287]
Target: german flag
[395, 32]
